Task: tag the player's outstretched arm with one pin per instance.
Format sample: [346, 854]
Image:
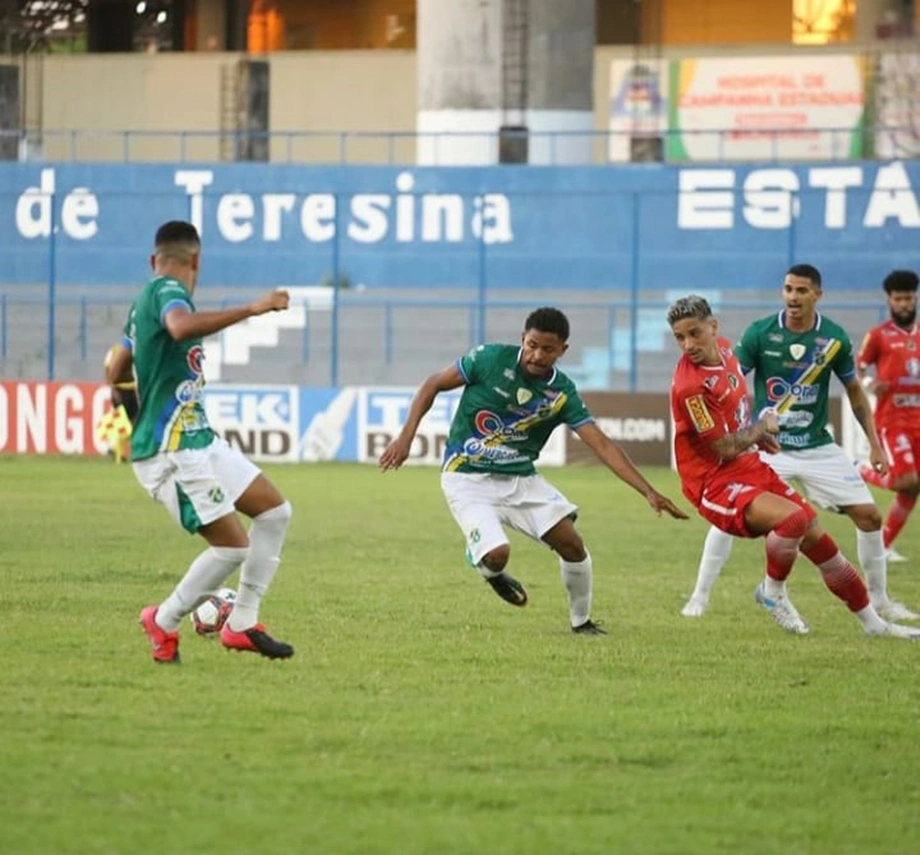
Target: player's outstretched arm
[395, 454]
[618, 462]
[182, 324]
[862, 410]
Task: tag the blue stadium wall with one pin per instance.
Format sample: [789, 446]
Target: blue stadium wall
[650, 226]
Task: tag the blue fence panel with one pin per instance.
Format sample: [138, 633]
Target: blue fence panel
[626, 237]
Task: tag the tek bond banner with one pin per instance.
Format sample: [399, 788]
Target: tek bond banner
[500, 229]
[289, 424]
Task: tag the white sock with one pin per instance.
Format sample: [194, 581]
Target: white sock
[870, 620]
[266, 537]
[716, 549]
[773, 588]
[206, 573]
[870, 549]
[577, 576]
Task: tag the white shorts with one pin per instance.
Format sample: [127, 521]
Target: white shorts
[197, 485]
[828, 477]
[481, 504]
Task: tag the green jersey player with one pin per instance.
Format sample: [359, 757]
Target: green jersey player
[793, 355]
[514, 397]
[184, 465]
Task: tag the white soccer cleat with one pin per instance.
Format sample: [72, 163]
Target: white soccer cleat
[784, 613]
[894, 611]
[895, 557]
[695, 607]
[895, 630]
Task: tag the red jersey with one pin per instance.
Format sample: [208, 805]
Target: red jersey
[895, 353]
[707, 403]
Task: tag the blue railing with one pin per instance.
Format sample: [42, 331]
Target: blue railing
[609, 359]
[401, 147]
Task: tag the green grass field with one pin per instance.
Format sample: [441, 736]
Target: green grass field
[423, 715]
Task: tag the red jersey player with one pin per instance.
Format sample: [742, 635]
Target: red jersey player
[716, 443]
[893, 349]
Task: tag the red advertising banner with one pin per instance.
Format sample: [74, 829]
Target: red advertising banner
[51, 418]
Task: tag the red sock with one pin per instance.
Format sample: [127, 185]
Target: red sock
[898, 513]
[839, 575]
[782, 544]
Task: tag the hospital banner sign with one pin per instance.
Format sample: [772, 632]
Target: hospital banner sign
[766, 108]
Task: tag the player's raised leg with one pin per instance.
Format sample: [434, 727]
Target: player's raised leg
[472, 501]
[843, 581]
[717, 547]
[270, 514]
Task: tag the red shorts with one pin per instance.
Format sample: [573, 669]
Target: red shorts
[724, 499]
[902, 448]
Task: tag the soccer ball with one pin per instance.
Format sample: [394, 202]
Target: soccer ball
[210, 617]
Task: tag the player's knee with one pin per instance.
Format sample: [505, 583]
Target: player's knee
[497, 559]
[282, 513]
[572, 550]
[793, 526]
[866, 518]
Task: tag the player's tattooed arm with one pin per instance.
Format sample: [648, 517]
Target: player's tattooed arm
[733, 444]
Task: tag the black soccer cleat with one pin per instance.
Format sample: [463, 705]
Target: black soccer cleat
[255, 640]
[589, 627]
[509, 589]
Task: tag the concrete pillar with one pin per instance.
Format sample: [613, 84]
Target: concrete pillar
[488, 64]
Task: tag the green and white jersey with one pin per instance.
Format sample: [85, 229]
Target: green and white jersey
[505, 417]
[792, 374]
[169, 375]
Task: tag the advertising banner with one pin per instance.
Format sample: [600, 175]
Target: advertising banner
[766, 107]
[275, 424]
[638, 109]
[51, 418]
[640, 423]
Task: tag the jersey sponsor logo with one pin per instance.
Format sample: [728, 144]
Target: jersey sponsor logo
[795, 419]
[903, 400]
[797, 350]
[778, 389]
[793, 439]
[490, 425]
[195, 359]
[699, 414]
[477, 448]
